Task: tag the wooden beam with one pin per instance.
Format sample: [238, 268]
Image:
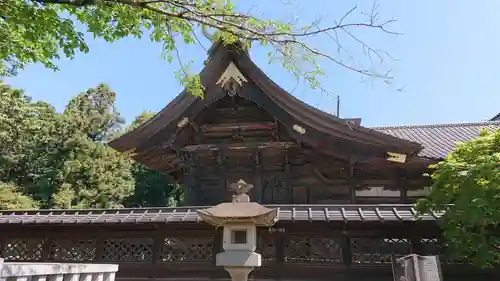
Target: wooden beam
[238, 110]
[240, 146]
[214, 128]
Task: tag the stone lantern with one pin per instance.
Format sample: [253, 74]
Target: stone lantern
[239, 220]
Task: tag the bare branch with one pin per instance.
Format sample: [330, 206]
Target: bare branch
[250, 28]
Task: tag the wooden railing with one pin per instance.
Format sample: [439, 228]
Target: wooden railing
[34, 271]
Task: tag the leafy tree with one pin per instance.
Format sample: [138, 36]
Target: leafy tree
[40, 31]
[25, 132]
[92, 175]
[55, 159]
[466, 186]
[11, 198]
[139, 119]
[95, 114]
[152, 189]
[89, 173]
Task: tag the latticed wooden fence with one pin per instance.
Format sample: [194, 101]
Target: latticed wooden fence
[290, 248]
[307, 242]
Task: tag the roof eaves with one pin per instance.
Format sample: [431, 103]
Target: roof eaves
[285, 100]
[443, 125]
[326, 213]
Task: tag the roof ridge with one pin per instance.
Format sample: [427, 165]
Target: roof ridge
[496, 117]
[442, 125]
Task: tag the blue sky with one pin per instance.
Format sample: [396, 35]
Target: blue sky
[447, 63]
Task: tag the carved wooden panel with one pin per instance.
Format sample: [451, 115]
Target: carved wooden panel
[211, 191]
[243, 159]
[187, 249]
[27, 249]
[315, 249]
[378, 250]
[274, 189]
[128, 249]
[73, 250]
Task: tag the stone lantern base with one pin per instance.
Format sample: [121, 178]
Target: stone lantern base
[238, 273]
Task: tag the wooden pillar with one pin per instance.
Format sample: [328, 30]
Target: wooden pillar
[216, 244]
[279, 242]
[404, 191]
[287, 180]
[416, 242]
[222, 169]
[258, 194]
[345, 243]
[351, 181]
[99, 248]
[190, 184]
[158, 242]
[401, 182]
[48, 241]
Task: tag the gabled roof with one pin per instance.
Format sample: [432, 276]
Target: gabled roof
[328, 128]
[312, 213]
[439, 139]
[496, 117]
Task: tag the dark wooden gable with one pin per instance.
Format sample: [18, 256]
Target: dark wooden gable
[248, 127]
[322, 130]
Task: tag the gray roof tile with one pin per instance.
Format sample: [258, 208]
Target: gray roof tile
[439, 139]
[326, 213]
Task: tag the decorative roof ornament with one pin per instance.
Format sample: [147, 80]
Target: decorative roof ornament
[299, 129]
[183, 122]
[241, 188]
[130, 152]
[396, 157]
[231, 79]
[240, 210]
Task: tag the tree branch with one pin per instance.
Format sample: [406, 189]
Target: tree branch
[247, 27]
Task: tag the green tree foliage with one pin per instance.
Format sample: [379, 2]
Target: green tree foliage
[466, 186]
[140, 119]
[61, 160]
[55, 159]
[152, 189]
[90, 173]
[11, 198]
[25, 134]
[40, 31]
[95, 114]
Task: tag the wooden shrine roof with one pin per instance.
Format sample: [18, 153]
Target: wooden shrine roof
[496, 117]
[439, 139]
[292, 213]
[155, 137]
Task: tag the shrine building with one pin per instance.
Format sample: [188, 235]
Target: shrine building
[343, 192]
